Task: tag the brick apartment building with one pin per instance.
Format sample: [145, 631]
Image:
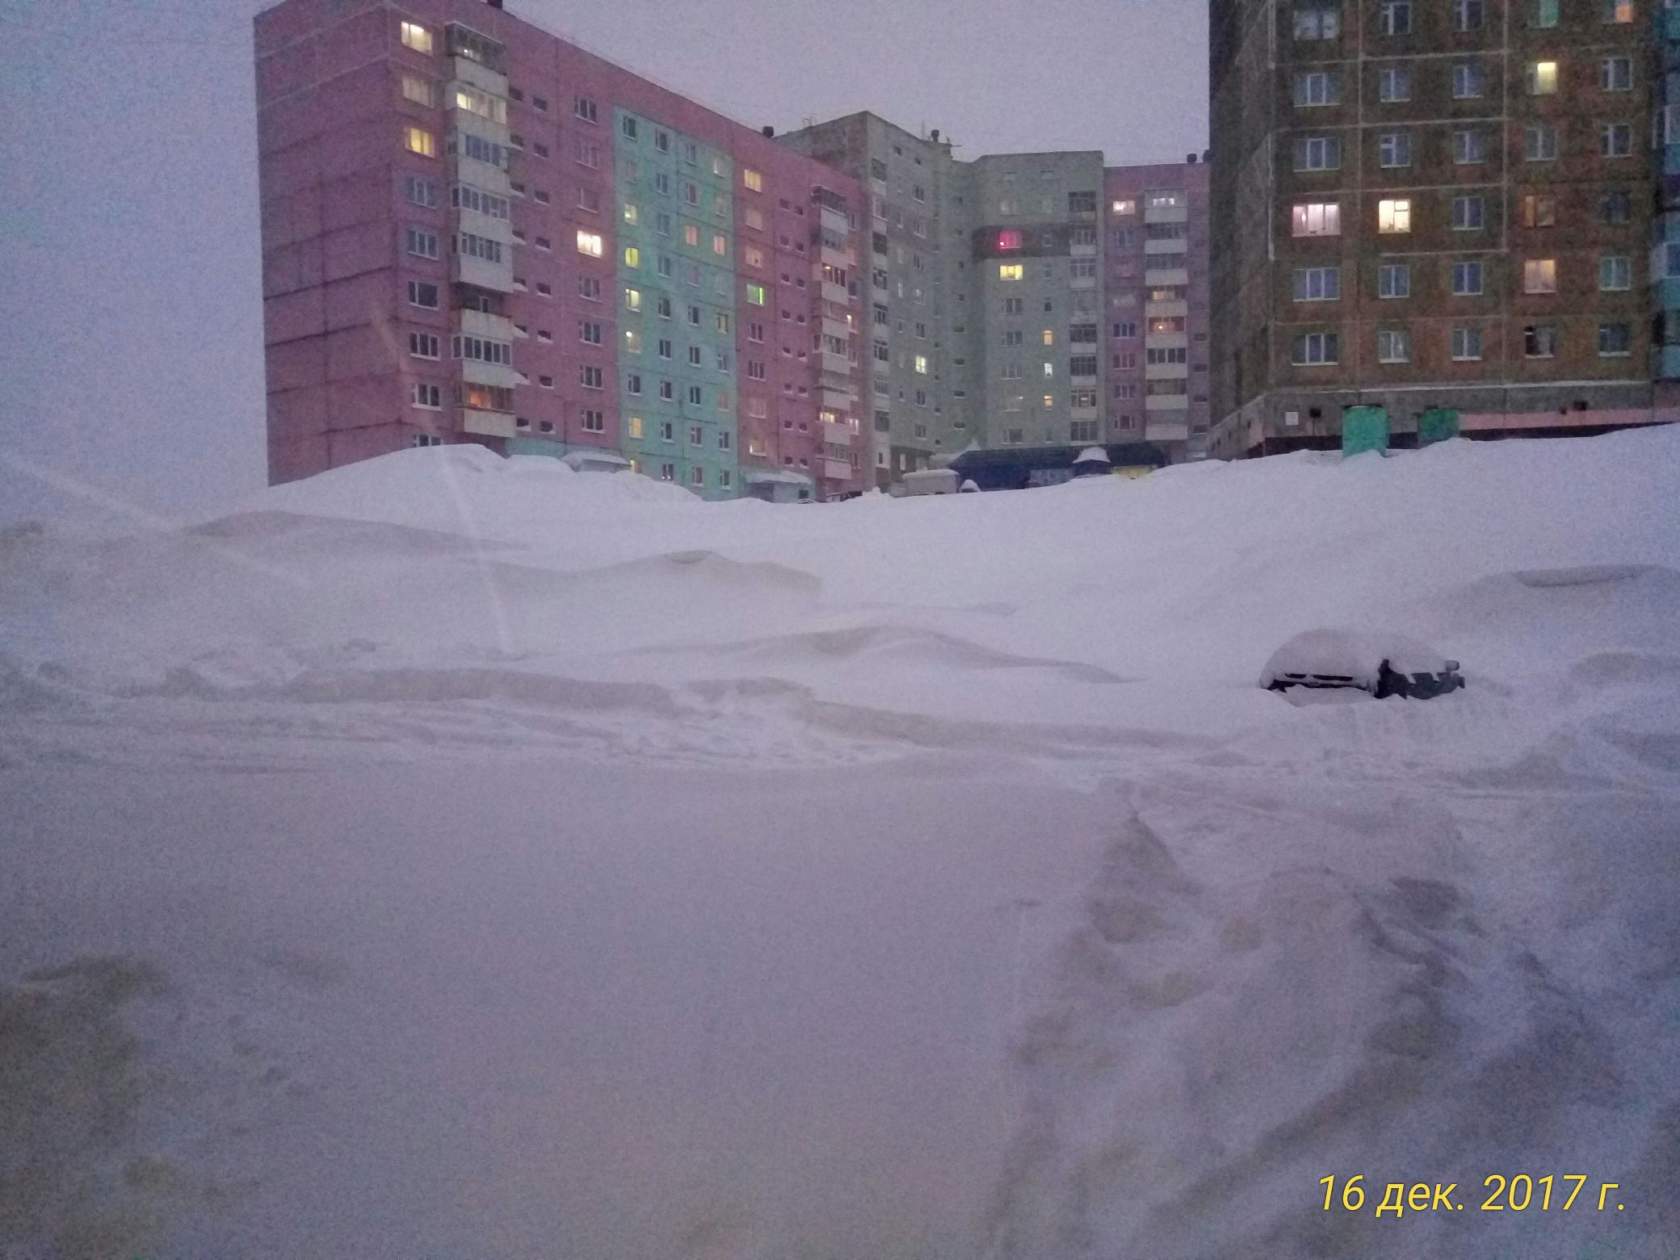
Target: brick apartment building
[1432, 203]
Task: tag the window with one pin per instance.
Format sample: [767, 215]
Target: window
[720, 244]
[591, 377]
[633, 383]
[422, 294]
[1468, 15]
[1318, 153]
[1616, 74]
[419, 140]
[1615, 340]
[1394, 345]
[1394, 83]
[632, 257]
[589, 288]
[1394, 215]
[1318, 19]
[590, 243]
[1542, 78]
[1616, 208]
[416, 37]
[1540, 142]
[466, 197]
[1469, 146]
[482, 350]
[589, 331]
[1317, 349]
[1468, 80]
[1467, 279]
[416, 89]
[1544, 13]
[421, 243]
[1395, 17]
[420, 192]
[1539, 210]
[427, 396]
[1394, 148]
[1466, 342]
[1011, 271]
[1394, 280]
[471, 246]
[1540, 275]
[587, 154]
[1615, 271]
[584, 108]
[1316, 218]
[752, 179]
[1123, 205]
[423, 345]
[1615, 140]
[1317, 284]
[1469, 213]
[1621, 11]
[1317, 87]
[476, 101]
[1539, 341]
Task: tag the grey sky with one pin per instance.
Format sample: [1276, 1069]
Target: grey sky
[129, 249]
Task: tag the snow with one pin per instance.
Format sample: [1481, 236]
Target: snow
[457, 856]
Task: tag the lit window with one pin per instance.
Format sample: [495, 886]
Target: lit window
[752, 179]
[1011, 271]
[631, 213]
[691, 234]
[419, 140]
[1540, 275]
[416, 37]
[1048, 337]
[1542, 78]
[635, 426]
[1009, 238]
[921, 364]
[720, 244]
[632, 256]
[632, 299]
[1124, 205]
[1394, 215]
[1316, 218]
[1621, 11]
[755, 294]
[590, 243]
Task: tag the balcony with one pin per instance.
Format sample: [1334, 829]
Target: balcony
[834, 220]
[1170, 245]
[1166, 402]
[837, 434]
[839, 259]
[836, 328]
[836, 470]
[839, 399]
[483, 324]
[1165, 309]
[1166, 430]
[835, 293]
[499, 424]
[838, 364]
[1166, 214]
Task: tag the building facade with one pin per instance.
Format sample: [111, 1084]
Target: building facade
[1429, 204]
[474, 231]
[1026, 299]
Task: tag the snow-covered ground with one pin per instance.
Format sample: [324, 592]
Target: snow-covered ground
[455, 857]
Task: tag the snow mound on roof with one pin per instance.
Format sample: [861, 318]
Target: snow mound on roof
[1355, 654]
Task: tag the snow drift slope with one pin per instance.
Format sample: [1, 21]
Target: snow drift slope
[459, 856]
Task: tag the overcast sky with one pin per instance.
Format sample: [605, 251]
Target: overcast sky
[132, 370]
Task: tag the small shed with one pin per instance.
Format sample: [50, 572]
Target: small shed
[1093, 461]
[774, 485]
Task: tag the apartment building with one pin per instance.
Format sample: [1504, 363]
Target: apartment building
[1026, 299]
[1430, 204]
[1156, 284]
[918, 364]
[474, 231]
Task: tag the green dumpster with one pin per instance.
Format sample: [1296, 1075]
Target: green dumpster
[1364, 429]
[1437, 425]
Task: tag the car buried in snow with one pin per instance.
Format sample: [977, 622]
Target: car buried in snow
[1382, 665]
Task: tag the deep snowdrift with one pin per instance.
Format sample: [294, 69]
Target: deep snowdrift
[454, 856]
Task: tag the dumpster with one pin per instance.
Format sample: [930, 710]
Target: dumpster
[1437, 425]
[1364, 429]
